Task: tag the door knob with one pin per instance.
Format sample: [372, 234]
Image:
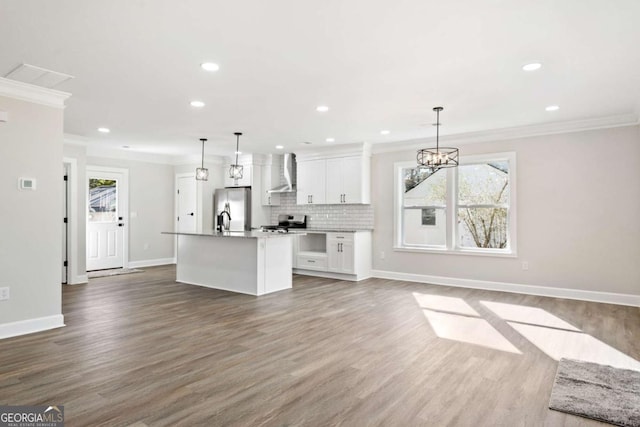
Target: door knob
[120, 224]
[190, 214]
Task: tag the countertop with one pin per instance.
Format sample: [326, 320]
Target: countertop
[329, 230]
[253, 234]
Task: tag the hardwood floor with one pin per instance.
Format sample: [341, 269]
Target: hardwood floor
[143, 350]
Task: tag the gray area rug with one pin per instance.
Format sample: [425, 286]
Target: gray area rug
[112, 272]
[599, 392]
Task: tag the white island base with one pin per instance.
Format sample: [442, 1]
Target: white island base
[251, 263]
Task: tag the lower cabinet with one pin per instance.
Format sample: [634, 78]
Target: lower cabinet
[343, 255]
[340, 252]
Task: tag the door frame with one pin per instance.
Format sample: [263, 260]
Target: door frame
[123, 207]
[73, 216]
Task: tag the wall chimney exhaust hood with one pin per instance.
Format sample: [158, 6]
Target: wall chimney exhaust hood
[289, 175]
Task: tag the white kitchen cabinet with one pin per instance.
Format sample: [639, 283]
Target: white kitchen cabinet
[245, 181]
[311, 175]
[340, 252]
[271, 179]
[348, 180]
[341, 255]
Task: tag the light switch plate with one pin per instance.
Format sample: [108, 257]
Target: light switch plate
[27, 184]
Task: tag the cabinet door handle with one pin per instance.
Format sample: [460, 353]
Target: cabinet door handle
[308, 199]
[311, 198]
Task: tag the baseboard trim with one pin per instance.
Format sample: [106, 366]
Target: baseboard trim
[151, 262]
[545, 291]
[30, 326]
[79, 280]
[328, 275]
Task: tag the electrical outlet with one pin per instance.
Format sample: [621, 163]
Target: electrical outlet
[4, 294]
[525, 265]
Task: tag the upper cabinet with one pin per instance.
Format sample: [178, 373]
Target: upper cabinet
[334, 178]
[311, 175]
[348, 180]
[271, 179]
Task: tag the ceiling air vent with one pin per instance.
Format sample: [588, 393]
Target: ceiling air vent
[38, 76]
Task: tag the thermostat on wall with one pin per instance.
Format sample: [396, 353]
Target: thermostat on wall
[27, 183]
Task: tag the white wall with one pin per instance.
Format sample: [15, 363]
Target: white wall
[578, 204]
[151, 188]
[31, 231]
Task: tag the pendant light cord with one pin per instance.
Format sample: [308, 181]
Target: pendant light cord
[202, 164]
[237, 146]
[438, 129]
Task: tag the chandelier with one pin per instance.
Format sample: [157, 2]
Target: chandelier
[202, 173]
[235, 171]
[438, 157]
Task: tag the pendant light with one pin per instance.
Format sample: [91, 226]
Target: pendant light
[235, 171]
[202, 173]
[439, 157]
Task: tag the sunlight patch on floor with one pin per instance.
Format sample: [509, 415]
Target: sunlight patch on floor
[440, 303]
[529, 315]
[557, 344]
[470, 330]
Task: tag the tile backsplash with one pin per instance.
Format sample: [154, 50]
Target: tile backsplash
[325, 216]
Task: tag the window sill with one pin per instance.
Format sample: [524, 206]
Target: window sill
[445, 251]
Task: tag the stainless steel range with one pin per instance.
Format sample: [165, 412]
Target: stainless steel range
[285, 223]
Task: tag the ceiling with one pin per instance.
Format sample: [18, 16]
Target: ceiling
[376, 64]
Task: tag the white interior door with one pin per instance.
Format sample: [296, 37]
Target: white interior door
[187, 204]
[106, 219]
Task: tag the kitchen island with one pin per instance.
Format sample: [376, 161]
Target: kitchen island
[248, 262]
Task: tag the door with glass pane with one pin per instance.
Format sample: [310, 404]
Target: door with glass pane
[105, 220]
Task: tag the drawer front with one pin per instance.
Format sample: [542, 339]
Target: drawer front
[312, 263]
[342, 237]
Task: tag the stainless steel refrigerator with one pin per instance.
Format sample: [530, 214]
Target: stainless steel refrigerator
[237, 202]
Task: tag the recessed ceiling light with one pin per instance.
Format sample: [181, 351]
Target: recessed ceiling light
[532, 67]
[552, 108]
[104, 130]
[307, 143]
[330, 140]
[385, 132]
[322, 108]
[279, 147]
[126, 146]
[197, 104]
[209, 66]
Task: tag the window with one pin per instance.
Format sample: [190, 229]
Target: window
[468, 209]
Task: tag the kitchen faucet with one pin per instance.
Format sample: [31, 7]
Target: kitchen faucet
[221, 226]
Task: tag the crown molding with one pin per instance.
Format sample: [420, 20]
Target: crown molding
[331, 151]
[552, 128]
[32, 93]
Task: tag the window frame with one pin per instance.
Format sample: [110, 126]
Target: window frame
[452, 245]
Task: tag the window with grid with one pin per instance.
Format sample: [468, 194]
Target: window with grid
[468, 209]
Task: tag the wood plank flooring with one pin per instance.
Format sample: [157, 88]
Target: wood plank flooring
[143, 350]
